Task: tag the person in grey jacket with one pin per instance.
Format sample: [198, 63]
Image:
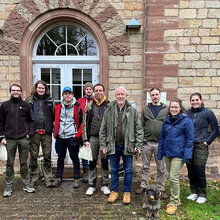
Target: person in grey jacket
[121, 135]
[152, 118]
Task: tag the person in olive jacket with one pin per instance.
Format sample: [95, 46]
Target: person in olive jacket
[16, 127]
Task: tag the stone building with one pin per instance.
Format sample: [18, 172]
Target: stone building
[69, 42]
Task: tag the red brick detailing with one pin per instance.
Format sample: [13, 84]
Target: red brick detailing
[155, 58]
[162, 70]
[119, 45]
[155, 10]
[15, 26]
[9, 48]
[31, 6]
[79, 4]
[93, 5]
[155, 34]
[162, 2]
[158, 46]
[162, 23]
[47, 4]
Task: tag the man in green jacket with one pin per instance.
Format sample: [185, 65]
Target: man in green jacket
[152, 119]
[121, 135]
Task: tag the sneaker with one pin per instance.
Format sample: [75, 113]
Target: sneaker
[113, 197]
[171, 209]
[126, 198]
[29, 189]
[7, 192]
[105, 190]
[50, 183]
[192, 197]
[140, 190]
[163, 195]
[201, 200]
[57, 181]
[75, 183]
[90, 191]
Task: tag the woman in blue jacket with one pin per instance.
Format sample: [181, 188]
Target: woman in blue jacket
[202, 118]
[175, 146]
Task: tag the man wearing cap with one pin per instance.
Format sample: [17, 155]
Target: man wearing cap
[92, 120]
[88, 90]
[68, 132]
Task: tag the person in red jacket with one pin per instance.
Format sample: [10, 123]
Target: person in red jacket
[68, 132]
[88, 90]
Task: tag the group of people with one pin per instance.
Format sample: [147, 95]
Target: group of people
[113, 130]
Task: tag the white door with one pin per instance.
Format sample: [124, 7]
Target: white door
[58, 76]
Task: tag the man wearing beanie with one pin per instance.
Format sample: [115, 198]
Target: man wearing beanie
[88, 90]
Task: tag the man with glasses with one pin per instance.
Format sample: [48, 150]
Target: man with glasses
[16, 127]
[43, 109]
[68, 133]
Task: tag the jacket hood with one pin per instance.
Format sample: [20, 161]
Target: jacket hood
[71, 105]
[180, 118]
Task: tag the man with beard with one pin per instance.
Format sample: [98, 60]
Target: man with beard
[16, 127]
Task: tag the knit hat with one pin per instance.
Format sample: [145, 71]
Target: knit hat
[88, 84]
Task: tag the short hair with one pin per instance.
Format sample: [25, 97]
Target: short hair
[179, 101]
[17, 85]
[99, 84]
[34, 89]
[155, 89]
[196, 94]
[121, 87]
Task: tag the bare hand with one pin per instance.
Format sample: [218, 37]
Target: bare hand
[105, 151]
[4, 142]
[137, 151]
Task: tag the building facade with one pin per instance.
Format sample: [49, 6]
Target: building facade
[70, 42]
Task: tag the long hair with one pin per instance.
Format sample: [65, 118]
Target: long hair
[182, 109]
[34, 89]
[196, 94]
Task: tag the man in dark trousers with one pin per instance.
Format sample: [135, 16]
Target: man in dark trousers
[152, 119]
[16, 127]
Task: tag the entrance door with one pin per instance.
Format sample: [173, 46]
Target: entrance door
[58, 76]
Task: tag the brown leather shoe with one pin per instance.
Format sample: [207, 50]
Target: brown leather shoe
[140, 190]
[113, 197]
[163, 195]
[126, 198]
[171, 209]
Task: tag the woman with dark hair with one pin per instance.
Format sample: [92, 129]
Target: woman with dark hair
[202, 118]
[175, 146]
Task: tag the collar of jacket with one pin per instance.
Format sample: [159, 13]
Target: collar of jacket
[15, 100]
[180, 118]
[99, 103]
[201, 108]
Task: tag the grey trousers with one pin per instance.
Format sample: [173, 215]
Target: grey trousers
[22, 144]
[94, 141]
[149, 150]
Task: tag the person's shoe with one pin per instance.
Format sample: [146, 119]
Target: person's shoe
[163, 195]
[75, 183]
[179, 203]
[33, 183]
[171, 209]
[140, 190]
[57, 181]
[192, 197]
[105, 190]
[7, 192]
[201, 200]
[49, 183]
[90, 191]
[126, 198]
[29, 189]
[113, 197]
[85, 175]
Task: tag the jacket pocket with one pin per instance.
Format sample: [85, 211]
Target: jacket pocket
[201, 153]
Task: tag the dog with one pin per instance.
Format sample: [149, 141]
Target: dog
[151, 201]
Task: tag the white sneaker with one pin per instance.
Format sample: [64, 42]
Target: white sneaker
[90, 191]
[201, 200]
[105, 190]
[192, 197]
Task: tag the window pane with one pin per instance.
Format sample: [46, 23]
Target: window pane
[87, 75]
[58, 34]
[71, 51]
[87, 47]
[45, 75]
[77, 91]
[55, 76]
[77, 76]
[61, 51]
[74, 34]
[55, 92]
[46, 47]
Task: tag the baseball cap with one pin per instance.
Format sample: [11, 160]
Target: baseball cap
[67, 89]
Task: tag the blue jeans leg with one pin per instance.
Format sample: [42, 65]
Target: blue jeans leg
[127, 163]
[85, 164]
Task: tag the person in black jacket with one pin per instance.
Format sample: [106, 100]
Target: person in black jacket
[43, 109]
[202, 118]
[16, 127]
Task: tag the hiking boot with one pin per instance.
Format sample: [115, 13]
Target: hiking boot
[140, 190]
[171, 209]
[75, 183]
[126, 198]
[29, 189]
[7, 192]
[85, 176]
[113, 197]
[178, 204]
[57, 181]
[201, 200]
[90, 191]
[192, 197]
[163, 195]
[105, 190]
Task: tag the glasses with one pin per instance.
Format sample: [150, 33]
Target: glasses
[14, 90]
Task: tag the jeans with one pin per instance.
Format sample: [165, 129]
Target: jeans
[73, 146]
[85, 164]
[127, 164]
